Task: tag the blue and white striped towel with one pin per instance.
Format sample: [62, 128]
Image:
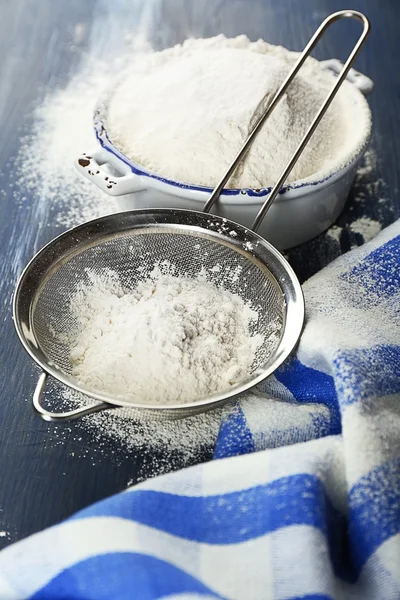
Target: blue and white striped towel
[314, 514]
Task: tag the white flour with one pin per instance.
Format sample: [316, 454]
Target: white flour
[367, 228]
[170, 340]
[335, 232]
[185, 112]
[368, 184]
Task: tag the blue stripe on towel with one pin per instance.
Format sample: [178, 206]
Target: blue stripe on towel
[374, 510]
[378, 273]
[234, 437]
[367, 373]
[309, 385]
[234, 517]
[311, 597]
[128, 576]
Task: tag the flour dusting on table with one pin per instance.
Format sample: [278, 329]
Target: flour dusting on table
[62, 129]
[159, 445]
[368, 209]
[366, 227]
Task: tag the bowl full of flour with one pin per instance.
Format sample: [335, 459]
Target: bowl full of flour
[174, 121]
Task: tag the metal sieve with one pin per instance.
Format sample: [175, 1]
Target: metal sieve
[132, 243]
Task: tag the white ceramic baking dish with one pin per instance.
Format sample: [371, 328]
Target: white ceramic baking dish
[303, 210]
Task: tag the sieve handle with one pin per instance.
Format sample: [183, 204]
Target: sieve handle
[90, 165]
[342, 14]
[62, 416]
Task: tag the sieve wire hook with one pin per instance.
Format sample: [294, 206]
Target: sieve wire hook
[342, 14]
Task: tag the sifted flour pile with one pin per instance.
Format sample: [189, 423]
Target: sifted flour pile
[171, 339]
[184, 113]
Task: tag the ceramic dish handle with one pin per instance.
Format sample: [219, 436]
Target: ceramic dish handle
[61, 416]
[91, 165]
[362, 82]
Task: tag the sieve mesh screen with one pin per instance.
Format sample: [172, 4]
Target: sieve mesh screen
[133, 255]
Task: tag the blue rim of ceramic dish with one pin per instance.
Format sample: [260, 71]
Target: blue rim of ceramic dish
[104, 140]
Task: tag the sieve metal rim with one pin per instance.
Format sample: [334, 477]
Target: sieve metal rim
[57, 251]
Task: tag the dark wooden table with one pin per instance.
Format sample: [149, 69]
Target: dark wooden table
[46, 476]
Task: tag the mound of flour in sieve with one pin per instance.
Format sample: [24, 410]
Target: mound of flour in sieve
[171, 339]
[185, 112]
